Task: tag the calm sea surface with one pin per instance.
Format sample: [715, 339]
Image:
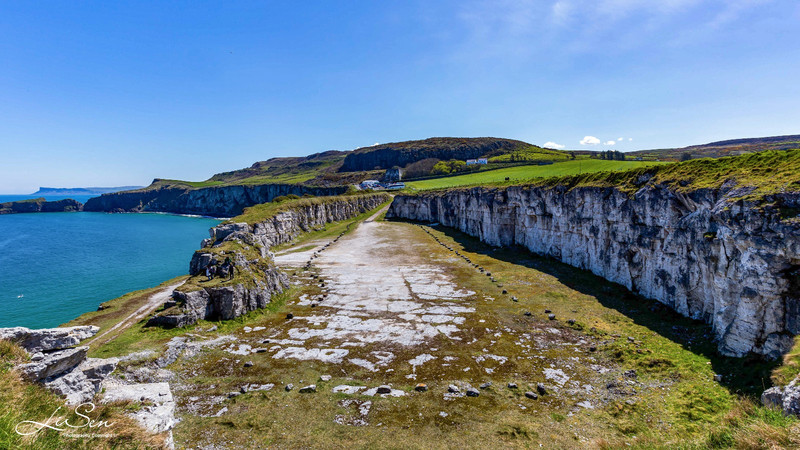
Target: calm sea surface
[56, 266]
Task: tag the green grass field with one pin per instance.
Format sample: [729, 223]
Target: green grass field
[523, 173]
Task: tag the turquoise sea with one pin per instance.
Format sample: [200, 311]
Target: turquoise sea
[57, 266]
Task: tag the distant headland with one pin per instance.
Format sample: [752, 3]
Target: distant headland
[83, 190]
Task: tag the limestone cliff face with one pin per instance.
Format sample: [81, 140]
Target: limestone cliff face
[220, 201]
[257, 278]
[286, 226]
[705, 254]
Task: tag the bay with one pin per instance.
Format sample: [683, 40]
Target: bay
[56, 266]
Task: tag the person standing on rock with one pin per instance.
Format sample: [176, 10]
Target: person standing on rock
[230, 265]
[208, 273]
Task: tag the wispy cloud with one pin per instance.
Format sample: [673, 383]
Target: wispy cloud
[497, 28]
[611, 142]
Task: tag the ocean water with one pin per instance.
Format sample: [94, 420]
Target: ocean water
[57, 266]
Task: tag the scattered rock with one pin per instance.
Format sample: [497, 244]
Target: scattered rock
[486, 385]
[593, 349]
[310, 389]
[541, 389]
[289, 316]
[346, 389]
[453, 389]
[527, 313]
[531, 395]
[289, 387]
[630, 374]
[472, 392]
[249, 364]
[421, 387]
[547, 311]
[514, 299]
[718, 378]
[157, 412]
[512, 385]
[384, 389]
[233, 394]
[325, 377]
[551, 316]
[505, 291]
[571, 321]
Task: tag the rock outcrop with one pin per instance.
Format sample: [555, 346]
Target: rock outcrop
[47, 339]
[53, 364]
[705, 253]
[81, 383]
[218, 201]
[58, 364]
[257, 278]
[786, 398]
[40, 205]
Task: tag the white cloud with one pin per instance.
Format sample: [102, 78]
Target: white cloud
[630, 139]
[551, 144]
[590, 140]
[619, 139]
[377, 143]
[611, 142]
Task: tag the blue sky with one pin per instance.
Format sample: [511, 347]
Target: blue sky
[117, 93]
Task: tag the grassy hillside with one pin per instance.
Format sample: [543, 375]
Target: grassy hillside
[519, 174]
[719, 149]
[756, 174]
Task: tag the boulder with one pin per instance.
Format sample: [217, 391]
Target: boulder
[786, 398]
[53, 364]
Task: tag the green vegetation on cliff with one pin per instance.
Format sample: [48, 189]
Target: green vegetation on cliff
[755, 174]
[264, 211]
[519, 174]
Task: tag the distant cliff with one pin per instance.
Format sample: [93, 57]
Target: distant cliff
[386, 156]
[218, 201]
[83, 191]
[40, 205]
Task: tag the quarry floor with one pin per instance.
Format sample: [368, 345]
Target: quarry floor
[396, 306]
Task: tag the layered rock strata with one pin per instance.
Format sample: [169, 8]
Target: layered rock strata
[705, 253]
